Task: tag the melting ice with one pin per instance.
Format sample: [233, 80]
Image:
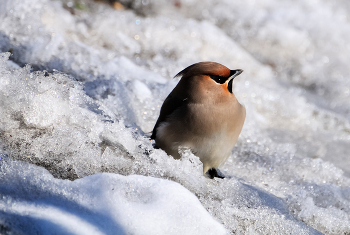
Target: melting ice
[81, 84]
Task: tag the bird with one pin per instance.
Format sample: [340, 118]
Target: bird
[203, 114]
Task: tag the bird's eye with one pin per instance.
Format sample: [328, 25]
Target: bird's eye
[218, 79]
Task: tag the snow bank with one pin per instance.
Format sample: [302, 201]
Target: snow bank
[94, 85]
[34, 202]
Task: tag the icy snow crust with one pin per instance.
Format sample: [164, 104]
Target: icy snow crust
[96, 80]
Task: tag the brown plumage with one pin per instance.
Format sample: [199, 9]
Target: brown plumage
[203, 114]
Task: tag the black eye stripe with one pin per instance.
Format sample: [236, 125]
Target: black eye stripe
[218, 79]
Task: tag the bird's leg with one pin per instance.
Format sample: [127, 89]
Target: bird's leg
[212, 172]
[155, 146]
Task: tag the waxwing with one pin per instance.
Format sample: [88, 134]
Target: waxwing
[202, 114]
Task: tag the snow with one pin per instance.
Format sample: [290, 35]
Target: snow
[85, 83]
[131, 204]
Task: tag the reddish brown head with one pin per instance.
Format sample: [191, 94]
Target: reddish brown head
[205, 68]
[217, 72]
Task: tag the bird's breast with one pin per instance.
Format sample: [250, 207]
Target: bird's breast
[208, 119]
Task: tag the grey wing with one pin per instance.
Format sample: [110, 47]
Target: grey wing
[170, 104]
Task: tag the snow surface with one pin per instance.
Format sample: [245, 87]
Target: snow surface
[84, 83]
[131, 204]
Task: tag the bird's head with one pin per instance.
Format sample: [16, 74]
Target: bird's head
[218, 73]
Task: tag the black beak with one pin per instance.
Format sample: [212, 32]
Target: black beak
[235, 73]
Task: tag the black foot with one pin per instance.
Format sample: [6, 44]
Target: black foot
[211, 173]
[155, 146]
